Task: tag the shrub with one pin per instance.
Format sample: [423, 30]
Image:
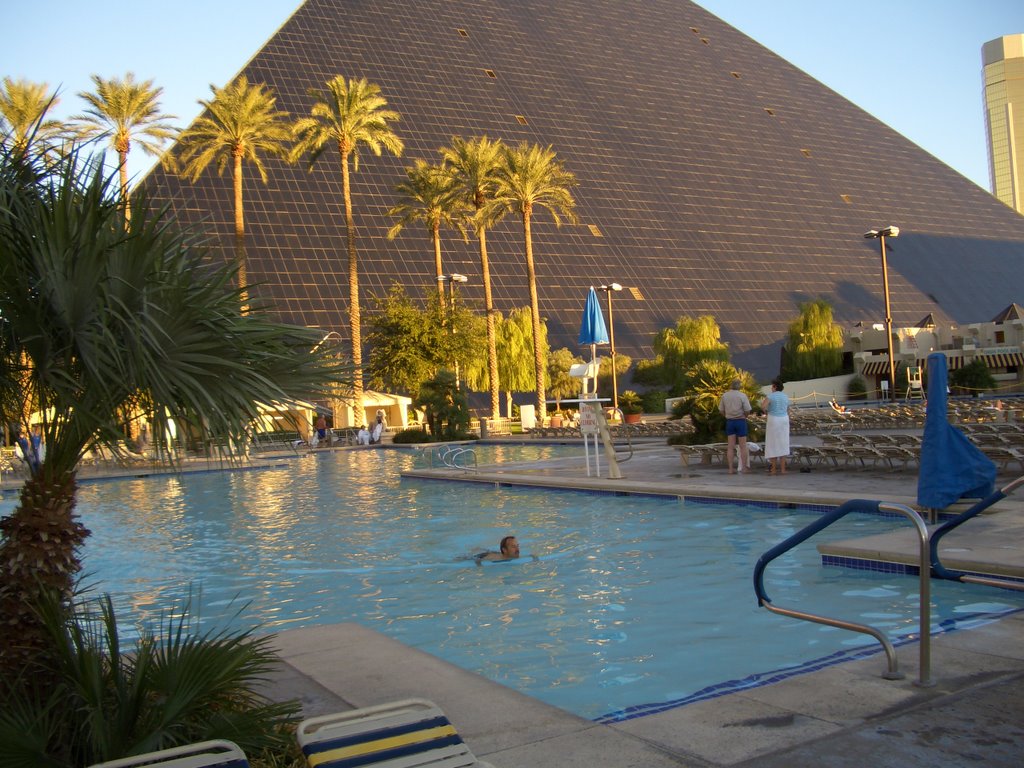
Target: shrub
[176, 686]
[857, 389]
[411, 436]
[973, 378]
[654, 401]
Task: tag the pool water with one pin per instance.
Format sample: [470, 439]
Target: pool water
[633, 603]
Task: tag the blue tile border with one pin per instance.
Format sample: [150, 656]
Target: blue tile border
[760, 679]
[902, 569]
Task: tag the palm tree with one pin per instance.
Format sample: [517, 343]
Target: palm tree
[127, 112]
[531, 176]
[429, 196]
[95, 322]
[474, 165]
[241, 123]
[351, 112]
[23, 109]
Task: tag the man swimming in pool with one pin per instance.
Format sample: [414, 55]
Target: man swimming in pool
[509, 550]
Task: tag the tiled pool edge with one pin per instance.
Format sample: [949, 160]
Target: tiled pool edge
[760, 679]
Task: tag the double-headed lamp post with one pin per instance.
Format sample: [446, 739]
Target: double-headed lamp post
[881, 234]
[609, 289]
[451, 280]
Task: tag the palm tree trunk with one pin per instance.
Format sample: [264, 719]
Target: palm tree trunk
[240, 261]
[492, 338]
[38, 555]
[435, 233]
[353, 293]
[538, 351]
[123, 173]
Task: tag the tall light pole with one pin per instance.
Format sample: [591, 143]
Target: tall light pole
[451, 280]
[609, 289]
[881, 234]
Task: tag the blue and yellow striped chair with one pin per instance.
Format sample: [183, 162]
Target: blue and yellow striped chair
[205, 754]
[403, 734]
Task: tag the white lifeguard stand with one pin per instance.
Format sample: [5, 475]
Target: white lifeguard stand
[592, 420]
[915, 388]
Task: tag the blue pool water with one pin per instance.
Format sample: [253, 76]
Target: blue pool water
[632, 602]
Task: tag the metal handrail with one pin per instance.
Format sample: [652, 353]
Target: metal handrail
[860, 505]
[449, 456]
[941, 571]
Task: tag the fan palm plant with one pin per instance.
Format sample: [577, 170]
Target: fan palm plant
[429, 196]
[351, 113]
[23, 109]
[531, 177]
[241, 124]
[95, 321]
[474, 166]
[173, 685]
[128, 113]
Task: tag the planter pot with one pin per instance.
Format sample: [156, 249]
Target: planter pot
[632, 418]
[556, 421]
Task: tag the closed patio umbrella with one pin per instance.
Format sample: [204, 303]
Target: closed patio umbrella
[952, 467]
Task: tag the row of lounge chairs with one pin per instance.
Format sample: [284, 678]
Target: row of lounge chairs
[661, 428]
[1002, 443]
[402, 734]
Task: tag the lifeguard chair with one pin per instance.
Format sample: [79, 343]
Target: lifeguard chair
[915, 388]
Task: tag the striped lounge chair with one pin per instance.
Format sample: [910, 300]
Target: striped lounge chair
[403, 734]
[205, 754]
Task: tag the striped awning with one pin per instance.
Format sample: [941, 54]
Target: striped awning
[1004, 359]
[952, 362]
[875, 367]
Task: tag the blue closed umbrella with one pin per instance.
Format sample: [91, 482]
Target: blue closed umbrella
[952, 467]
[592, 329]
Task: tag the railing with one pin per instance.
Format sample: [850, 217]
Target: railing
[945, 573]
[453, 457]
[860, 505]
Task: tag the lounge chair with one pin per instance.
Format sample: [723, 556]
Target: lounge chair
[205, 754]
[403, 734]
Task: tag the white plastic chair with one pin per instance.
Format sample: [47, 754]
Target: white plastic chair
[219, 753]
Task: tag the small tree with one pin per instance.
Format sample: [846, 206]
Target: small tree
[974, 378]
[814, 347]
[411, 343]
[560, 383]
[704, 385]
[445, 408]
[857, 389]
[693, 340]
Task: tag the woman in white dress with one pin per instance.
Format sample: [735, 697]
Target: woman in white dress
[776, 436]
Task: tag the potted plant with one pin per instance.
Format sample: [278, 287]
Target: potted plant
[632, 406]
[556, 419]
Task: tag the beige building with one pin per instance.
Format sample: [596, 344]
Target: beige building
[999, 343]
[1003, 60]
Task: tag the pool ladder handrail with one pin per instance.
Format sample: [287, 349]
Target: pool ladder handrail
[940, 571]
[861, 505]
[449, 456]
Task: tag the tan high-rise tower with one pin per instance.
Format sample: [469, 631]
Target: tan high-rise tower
[1003, 59]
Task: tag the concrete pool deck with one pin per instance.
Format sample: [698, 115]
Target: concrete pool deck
[843, 715]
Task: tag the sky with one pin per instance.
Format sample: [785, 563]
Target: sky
[914, 64]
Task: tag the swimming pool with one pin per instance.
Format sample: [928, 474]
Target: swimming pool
[635, 603]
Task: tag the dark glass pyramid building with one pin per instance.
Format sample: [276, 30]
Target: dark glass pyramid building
[715, 178]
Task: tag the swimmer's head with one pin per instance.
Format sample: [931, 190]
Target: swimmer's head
[510, 547]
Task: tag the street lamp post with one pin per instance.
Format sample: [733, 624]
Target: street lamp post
[451, 279]
[609, 289]
[881, 234]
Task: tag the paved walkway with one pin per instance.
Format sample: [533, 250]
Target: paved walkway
[843, 715]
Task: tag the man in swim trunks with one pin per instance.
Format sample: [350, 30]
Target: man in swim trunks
[509, 550]
[735, 406]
